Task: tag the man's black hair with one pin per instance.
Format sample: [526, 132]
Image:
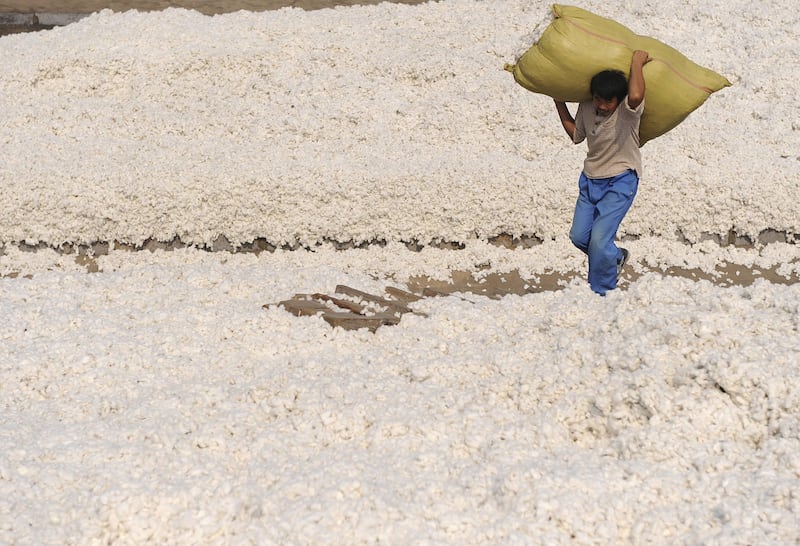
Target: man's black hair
[609, 84]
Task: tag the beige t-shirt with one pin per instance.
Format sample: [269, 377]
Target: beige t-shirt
[613, 141]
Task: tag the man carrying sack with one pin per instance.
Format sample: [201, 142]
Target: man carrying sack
[582, 57]
[610, 125]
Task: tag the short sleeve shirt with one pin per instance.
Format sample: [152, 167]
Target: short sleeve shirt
[613, 141]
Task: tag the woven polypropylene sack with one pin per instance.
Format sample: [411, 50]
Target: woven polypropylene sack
[578, 44]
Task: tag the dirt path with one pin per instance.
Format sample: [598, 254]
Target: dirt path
[204, 6]
[496, 284]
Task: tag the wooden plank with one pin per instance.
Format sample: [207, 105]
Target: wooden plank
[344, 304]
[395, 305]
[305, 305]
[353, 317]
[402, 295]
[433, 293]
[359, 321]
[303, 308]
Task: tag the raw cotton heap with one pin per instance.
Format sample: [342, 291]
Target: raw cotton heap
[388, 122]
[157, 401]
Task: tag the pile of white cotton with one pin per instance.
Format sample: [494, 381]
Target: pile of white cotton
[158, 401]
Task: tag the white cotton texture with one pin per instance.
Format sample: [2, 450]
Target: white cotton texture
[158, 400]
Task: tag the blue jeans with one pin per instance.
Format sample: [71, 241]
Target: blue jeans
[602, 204]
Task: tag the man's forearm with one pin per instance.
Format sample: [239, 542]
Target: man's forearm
[636, 85]
[567, 121]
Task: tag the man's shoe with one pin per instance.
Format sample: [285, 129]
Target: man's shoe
[622, 262]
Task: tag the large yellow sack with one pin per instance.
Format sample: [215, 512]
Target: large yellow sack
[578, 44]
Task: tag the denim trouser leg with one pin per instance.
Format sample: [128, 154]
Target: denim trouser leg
[601, 206]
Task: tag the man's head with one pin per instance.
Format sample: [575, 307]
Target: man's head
[608, 89]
